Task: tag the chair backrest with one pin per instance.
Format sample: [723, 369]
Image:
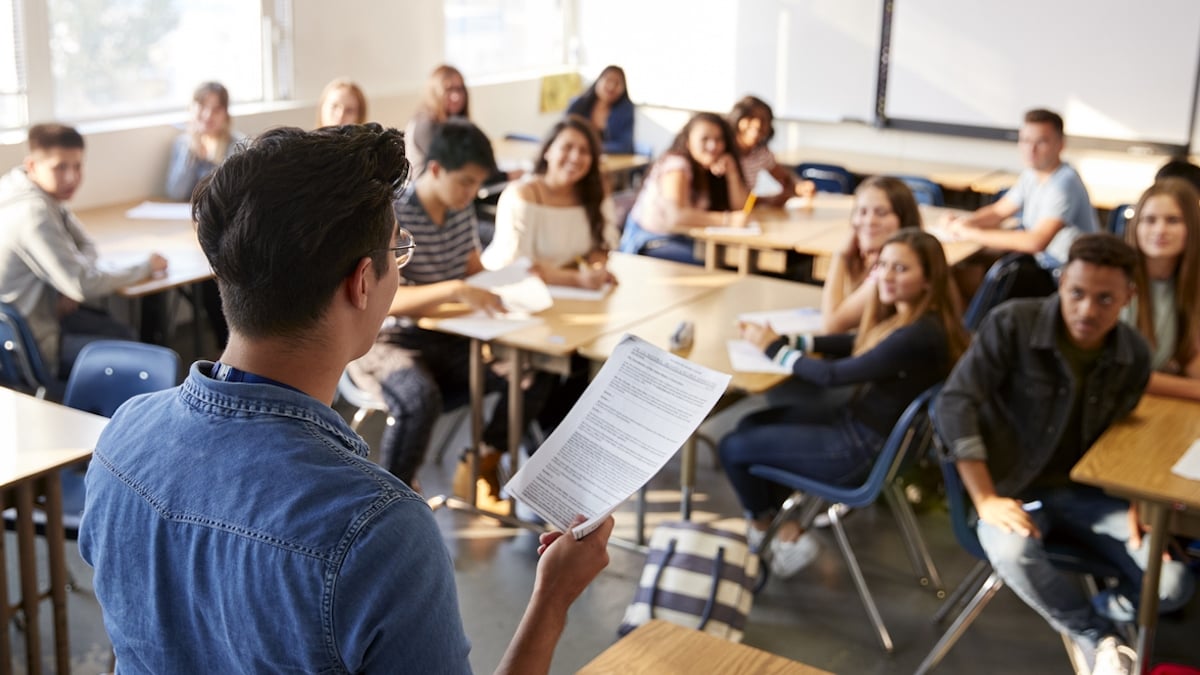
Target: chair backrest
[910, 433]
[1015, 275]
[21, 364]
[357, 396]
[523, 137]
[1118, 217]
[827, 177]
[924, 190]
[109, 372]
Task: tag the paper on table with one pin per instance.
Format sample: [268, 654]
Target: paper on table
[161, 211]
[483, 327]
[787, 321]
[577, 293]
[751, 229]
[744, 357]
[518, 288]
[1188, 466]
[636, 413]
[765, 184]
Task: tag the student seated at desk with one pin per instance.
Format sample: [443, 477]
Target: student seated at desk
[342, 102]
[606, 105]
[697, 183]
[1042, 381]
[560, 218]
[208, 141]
[419, 372]
[909, 338]
[1165, 231]
[753, 127]
[49, 265]
[1054, 205]
[882, 206]
[249, 532]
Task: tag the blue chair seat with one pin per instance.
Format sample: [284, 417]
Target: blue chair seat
[827, 177]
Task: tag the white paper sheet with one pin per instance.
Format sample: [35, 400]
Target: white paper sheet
[161, 211]
[765, 184]
[637, 412]
[787, 321]
[577, 293]
[518, 288]
[480, 325]
[1188, 466]
[744, 357]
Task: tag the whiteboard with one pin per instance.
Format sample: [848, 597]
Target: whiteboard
[1114, 69]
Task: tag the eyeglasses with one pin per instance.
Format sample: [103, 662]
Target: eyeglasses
[403, 250]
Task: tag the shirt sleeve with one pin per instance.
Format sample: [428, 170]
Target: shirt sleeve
[184, 170]
[515, 233]
[57, 250]
[402, 614]
[918, 345]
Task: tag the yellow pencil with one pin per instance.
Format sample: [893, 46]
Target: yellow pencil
[750, 203]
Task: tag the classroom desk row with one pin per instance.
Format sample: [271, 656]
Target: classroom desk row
[819, 229]
[37, 439]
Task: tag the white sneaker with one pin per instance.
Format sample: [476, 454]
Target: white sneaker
[754, 537]
[822, 520]
[1113, 657]
[789, 557]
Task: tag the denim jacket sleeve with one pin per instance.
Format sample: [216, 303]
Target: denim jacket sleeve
[976, 377]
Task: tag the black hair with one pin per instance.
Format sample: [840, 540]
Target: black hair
[703, 181]
[749, 106]
[1043, 116]
[457, 142]
[1180, 167]
[590, 188]
[287, 219]
[1107, 250]
[588, 99]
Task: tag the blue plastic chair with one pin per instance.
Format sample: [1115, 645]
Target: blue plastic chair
[21, 364]
[106, 374]
[827, 177]
[982, 583]
[911, 434]
[1118, 217]
[924, 190]
[1015, 275]
[522, 137]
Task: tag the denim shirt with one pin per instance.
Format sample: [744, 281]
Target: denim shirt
[1011, 394]
[240, 528]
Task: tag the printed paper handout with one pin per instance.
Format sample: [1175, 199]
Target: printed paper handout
[637, 412]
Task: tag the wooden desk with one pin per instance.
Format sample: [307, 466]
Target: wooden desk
[714, 317]
[37, 438]
[119, 237]
[662, 648]
[513, 154]
[820, 232]
[1133, 459]
[647, 287]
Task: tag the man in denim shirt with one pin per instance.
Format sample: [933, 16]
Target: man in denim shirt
[235, 522]
[1042, 380]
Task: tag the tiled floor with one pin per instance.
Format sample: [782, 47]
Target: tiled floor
[815, 617]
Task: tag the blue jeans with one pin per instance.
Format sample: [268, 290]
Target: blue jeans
[677, 247]
[1096, 522]
[802, 440]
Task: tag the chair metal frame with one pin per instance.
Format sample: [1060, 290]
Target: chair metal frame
[911, 432]
[982, 583]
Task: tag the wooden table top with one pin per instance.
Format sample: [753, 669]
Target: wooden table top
[662, 648]
[122, 239]
[714, 315]
[822, 230]
[647, 286]
[1134, 457]
[38, 436]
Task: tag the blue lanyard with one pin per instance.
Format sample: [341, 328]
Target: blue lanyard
[227, 373]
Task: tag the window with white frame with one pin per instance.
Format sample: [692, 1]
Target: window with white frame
[104, 59]
[12, 71]
[493, 37]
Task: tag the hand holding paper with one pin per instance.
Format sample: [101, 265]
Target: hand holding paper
[636, 413]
